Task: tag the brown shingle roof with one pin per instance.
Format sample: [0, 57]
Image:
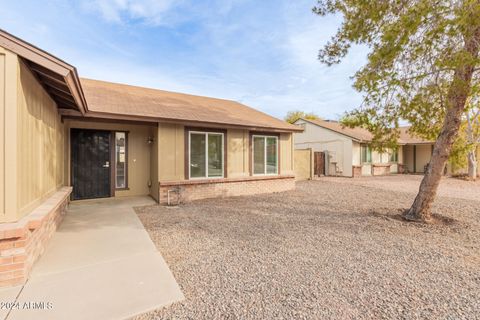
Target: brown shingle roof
[364, 135]
[410, 138]
[359, 134]
[120, 99]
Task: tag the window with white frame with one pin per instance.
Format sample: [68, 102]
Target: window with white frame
[205, 154]
[393, 155]
[365, 154]
[265, 155]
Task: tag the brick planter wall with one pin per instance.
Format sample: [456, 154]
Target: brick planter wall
[189, 190]
[356, 171]
[22, 242]
[380, 170]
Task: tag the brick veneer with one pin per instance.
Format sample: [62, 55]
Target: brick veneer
[380, 169]
[356, 171]
[189, 190]
[22, 242]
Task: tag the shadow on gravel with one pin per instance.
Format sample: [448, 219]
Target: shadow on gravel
[398, 215]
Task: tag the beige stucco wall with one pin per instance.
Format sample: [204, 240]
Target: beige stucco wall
[377, 157]
[408, 157]
[286, 154]
[304, 164]
[171, 154]
[424, 153]
[237, 153]
[356, 153]
[138, 153]
[171, 144]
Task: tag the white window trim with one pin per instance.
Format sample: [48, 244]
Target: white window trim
[366, 155]
[265, 155]
[206, 133]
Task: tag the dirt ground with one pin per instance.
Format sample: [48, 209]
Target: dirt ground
[332, 249]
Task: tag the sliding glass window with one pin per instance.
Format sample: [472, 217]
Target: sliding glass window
[265, 155]
[206, 154]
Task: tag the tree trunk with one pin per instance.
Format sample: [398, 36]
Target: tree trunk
[472, 165]
[458, 92]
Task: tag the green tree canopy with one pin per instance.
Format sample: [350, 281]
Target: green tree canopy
[422, 67]
[294, 115]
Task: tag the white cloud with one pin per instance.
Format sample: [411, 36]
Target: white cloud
[119, 11]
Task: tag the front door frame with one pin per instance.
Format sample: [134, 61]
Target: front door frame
[111, 159]
[112, 164]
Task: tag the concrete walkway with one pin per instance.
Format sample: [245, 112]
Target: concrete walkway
[100, 264]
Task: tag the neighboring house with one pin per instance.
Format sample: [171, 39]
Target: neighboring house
[348, 153]
[62, 138]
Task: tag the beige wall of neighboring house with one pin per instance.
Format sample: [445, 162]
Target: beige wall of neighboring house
[344, 150]
[416, 157]
[408, 157]
[379, 158]
[423, 155]
[339, 147]
[304, 164]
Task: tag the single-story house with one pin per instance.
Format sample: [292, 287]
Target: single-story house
[65, 138]
[347, 151]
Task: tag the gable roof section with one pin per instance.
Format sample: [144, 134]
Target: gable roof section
[100, 99]
[357, 134]
[363, 135]
[59, 78]
[409, 138]
[113, 99]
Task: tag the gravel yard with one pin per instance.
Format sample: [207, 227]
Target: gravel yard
[332, 249]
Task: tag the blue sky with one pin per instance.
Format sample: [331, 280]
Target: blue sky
[261, 53]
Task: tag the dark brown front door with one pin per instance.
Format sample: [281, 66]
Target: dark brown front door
[90, 164]
[319, 163]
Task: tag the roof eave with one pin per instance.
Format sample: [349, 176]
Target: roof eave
[342, 133]
[45, 60]
[112, 116]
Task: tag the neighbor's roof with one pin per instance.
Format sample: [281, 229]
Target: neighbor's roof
[107, 98]
[407, 137]
[358, 134]
[363, 135]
